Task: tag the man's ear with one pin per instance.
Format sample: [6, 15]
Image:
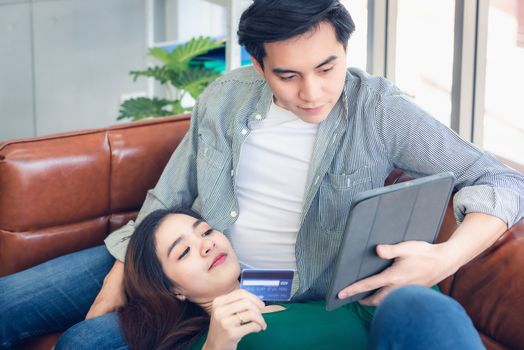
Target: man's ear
[258, 67]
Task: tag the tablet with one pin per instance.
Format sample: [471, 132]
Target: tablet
[408, 211]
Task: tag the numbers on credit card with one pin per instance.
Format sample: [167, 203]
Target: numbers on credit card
[268, 285]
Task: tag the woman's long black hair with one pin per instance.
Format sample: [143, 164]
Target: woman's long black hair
[153, 317]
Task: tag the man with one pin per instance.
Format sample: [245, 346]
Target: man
[276, 152]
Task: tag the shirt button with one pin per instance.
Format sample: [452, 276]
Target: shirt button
[258, 117]
[232, 172]
[233, 214]
[243, 132]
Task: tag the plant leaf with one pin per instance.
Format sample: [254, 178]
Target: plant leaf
[179, 58]
[161, 74]
[195, 80]
[159, 54]
[143, 107]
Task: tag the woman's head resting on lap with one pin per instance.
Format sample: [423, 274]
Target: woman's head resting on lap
[176, 264]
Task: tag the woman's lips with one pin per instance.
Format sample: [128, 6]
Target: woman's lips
[219, 259]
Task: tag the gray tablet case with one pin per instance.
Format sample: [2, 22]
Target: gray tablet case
[408, 211]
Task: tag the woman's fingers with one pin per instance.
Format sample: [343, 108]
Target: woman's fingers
[240, 311]
[250, 316]
[252, 327]
[236, 295]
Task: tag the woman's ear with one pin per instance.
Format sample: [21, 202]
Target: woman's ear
[177, 294]
[180, 297]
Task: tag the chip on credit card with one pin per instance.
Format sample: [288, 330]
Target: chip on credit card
[268, 285]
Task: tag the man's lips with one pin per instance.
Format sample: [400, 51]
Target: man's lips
[312, 109]
[219, 259]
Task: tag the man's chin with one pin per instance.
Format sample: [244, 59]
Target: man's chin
[315, 118]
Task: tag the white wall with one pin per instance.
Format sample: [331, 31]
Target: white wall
[64, 63]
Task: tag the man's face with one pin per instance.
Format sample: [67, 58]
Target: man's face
[306, 73]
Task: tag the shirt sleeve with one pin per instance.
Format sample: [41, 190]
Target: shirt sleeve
[176, 187]
[419, 144]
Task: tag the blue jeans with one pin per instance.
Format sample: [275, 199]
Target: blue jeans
[56, 295]
[415, 318]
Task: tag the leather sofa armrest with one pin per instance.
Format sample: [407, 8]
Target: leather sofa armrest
[491, 289]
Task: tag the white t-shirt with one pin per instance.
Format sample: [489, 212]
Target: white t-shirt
[270, 185]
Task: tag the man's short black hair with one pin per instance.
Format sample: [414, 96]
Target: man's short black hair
[268, 21]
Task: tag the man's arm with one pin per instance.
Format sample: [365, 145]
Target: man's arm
[427, 264]
[490, 196]
[176, 186]
[112, 295]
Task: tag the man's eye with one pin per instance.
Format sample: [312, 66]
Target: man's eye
[184, 253]
[207, 233]
[327, 70]
[288, 77]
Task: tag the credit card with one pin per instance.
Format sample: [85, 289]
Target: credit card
[268, 285]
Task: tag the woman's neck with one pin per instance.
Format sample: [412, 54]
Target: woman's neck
[207, 304]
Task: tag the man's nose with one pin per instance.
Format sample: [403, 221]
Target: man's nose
[310, 90]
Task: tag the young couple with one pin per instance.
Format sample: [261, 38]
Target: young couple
[273, 158]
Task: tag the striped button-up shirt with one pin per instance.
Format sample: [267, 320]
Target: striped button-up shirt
[372, 129]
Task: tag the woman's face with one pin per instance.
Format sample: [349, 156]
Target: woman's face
[199, 260]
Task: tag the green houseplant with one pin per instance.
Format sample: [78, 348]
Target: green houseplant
[179, 73]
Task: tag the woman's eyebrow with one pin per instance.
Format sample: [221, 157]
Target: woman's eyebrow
[195, 225]
[174, 244]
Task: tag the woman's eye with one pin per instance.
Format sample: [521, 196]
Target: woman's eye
[184, 253]
[207, 233]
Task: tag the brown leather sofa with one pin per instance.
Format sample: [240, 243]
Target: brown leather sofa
[66, 192]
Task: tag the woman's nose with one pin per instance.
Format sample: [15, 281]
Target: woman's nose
[207, 245]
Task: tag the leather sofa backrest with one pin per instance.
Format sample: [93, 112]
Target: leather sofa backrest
[66, 192]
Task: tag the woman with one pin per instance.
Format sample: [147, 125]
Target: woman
[181, 280]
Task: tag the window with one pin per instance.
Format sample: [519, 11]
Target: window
[357, 47]
[424, 54]
[504, 107]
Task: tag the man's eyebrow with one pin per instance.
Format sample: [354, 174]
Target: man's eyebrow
[287, 71]
[283, 71]
[326, 61]
[195, 225]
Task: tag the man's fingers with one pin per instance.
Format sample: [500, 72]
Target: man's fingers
[392, 251]
[365, 285]
[386, 251]
[377, 297]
